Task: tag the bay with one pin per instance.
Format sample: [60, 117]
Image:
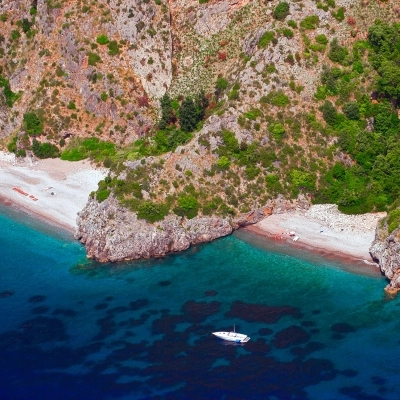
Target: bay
[73, 328]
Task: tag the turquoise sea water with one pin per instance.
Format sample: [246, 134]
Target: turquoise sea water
[76, 329]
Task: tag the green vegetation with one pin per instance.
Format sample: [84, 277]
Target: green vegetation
[9, 95]
[71, 105]
[337, 53]
[339, 15]
[33, 124]
[277, 130]
[152, 212]
[221, 85]
[372, 182]
[310, 22]
[44, 150]
[277, 98]
[281, 11]
[188, 206]
[93, 59]
[321, 39]
[113, 48]
[266, 39]
[92, 148]
[102, 39]
[191, 112]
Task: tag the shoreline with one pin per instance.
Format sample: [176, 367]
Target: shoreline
[322, 231]
[52, 191]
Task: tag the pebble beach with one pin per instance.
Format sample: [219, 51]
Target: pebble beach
[52, 189]
[323, 228]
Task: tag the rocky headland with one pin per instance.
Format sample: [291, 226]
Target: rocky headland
[386, 251]
[113, 233]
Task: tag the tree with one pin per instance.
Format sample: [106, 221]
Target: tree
[188, 115]
[329, 113]
[201, 103]
[337, 52]
[167, 112]
[351, 110]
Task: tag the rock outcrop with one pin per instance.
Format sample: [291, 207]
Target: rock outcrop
[386, 251]
[113, 233]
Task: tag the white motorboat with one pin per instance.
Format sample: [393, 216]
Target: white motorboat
[232, 336]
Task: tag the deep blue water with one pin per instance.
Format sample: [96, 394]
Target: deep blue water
[74, 329]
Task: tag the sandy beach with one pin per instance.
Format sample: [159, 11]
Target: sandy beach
[323, 228]
[50, 189]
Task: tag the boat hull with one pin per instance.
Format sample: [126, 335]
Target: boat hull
[232, 336]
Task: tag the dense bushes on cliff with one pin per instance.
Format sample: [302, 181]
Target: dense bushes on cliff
[369, 131]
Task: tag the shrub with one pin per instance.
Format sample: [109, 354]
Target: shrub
[287, 33]
[337, 52]
[102, 195]
[233, 95]
[188, 206]
[102, 39]
[292, 24]
[32, 124]
[170, 139]
[71, 105]
[223, 162]
[266, 39]
[44, 150]
[393, 220]
[351, 110]
[321, 39]
[302, 179]
[15, 34]
[329, 113]
[277, 98]
[10, 96]
[358, 67]
[281, 11]
[253, 114]
[113, 48]
[93, 59]
[339, 15]
[277, 130]
[91, 147]
[12, 146]
[221, 85]
[104, 96]
[151, 212]
[310, 22]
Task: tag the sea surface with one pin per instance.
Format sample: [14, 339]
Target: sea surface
[75, 329]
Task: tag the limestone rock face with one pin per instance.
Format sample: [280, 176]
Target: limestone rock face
[113, 233]
[386, 250]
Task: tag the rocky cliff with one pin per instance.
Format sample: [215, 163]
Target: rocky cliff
[386, 251]
[113, 233]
